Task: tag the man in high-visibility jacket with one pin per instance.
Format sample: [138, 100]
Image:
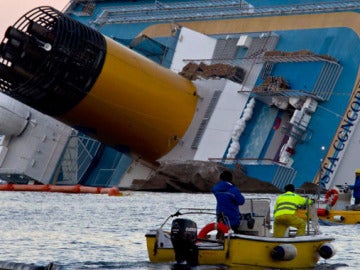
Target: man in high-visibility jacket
[284, 212]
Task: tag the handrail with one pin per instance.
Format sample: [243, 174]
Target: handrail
[200, 10]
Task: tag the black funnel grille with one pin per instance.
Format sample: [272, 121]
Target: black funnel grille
[50, 61]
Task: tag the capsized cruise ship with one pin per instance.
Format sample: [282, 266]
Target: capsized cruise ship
[270, 85]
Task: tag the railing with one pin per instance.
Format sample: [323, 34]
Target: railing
[253, 161]
[282, 176]
[200, 10]
[78, 157]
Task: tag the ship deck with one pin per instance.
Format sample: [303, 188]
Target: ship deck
[308, 26]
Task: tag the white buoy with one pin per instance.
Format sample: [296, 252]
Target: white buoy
[327, 250]
[284, 252]
[339, 218]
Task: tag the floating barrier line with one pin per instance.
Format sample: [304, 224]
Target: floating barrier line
[113, 191]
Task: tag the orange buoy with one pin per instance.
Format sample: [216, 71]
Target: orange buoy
[114, 191]
[322, 212]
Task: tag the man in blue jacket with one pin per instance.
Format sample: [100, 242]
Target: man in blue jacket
[356, 187]
[228, 199]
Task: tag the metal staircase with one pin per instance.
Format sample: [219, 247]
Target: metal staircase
[205, 120]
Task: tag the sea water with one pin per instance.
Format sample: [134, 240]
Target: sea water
[93, 231]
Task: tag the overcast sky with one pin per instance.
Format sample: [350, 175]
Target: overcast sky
[12, 10]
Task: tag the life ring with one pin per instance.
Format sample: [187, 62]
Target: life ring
[331, 197]
[211, 227]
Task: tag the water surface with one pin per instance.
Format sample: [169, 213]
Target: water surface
[92, 231]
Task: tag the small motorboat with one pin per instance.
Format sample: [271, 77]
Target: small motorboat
[335, 208]
[179, 240]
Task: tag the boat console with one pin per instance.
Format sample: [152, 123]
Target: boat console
[255, 215]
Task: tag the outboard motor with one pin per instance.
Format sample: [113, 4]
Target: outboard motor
[183, 238]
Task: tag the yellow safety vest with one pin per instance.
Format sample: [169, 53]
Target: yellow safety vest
[287, 203]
